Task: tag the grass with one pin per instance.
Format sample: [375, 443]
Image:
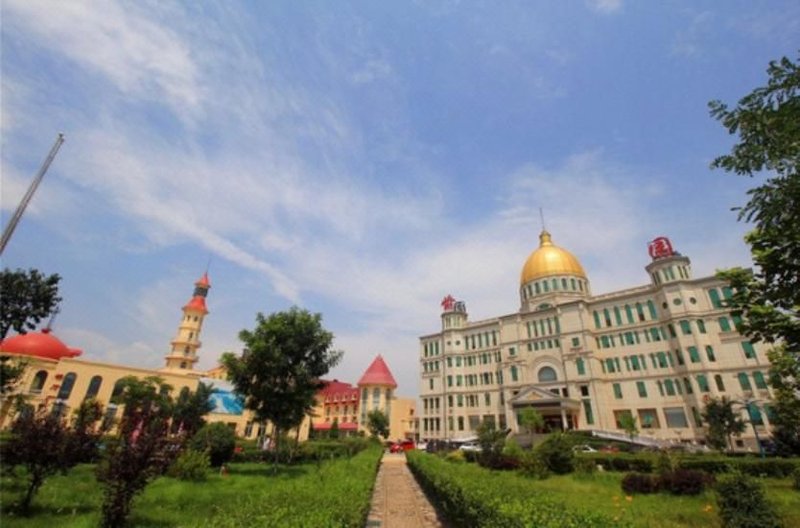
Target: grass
[337, 493]
[602, 494]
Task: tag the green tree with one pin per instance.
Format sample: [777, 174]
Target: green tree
[142, 449]
[378, 423]
[27, 298]
[767, 122]
[190, 409]
[492, 442]
[44, 444]
[722, 423]
[333, 434]
[628, 424]
[218, 440]
[530, 420]
[11, 370]
[279, 373]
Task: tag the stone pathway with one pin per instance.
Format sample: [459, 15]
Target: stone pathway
[397, 500]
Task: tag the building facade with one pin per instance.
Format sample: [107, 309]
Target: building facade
[657, 352]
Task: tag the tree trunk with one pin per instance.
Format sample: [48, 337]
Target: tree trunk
[35, 483]
[276, 445]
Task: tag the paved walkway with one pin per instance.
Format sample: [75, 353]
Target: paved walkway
[397, 500]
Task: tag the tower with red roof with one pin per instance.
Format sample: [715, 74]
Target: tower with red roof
[376, 388]
[183, 354]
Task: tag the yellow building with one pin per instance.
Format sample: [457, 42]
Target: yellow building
[348, 406]
[657, 352]
[58, 377]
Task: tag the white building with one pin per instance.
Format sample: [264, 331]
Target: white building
[657, 351]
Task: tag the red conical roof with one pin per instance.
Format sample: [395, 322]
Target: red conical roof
[378, 374]
[197, 303]
[204, 282]
[38, 344]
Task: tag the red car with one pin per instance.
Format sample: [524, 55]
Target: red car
[399, 447]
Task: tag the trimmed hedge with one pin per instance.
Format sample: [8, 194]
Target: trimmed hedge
[469, 495]
[647, 463]
[310, 451]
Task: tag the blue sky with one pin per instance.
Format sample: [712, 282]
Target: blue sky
[363, 159]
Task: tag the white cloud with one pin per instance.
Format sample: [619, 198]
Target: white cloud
[605, 6]
[140, 57]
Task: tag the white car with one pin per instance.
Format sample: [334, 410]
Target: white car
[584, 449]
[471, 446]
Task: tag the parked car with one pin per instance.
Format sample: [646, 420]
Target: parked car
[402, 446]
[471, 446]
[583, 448]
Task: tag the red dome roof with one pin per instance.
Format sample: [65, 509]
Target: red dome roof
[378, 374]
[38, 344]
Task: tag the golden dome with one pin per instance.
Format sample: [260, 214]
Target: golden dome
[549, 260]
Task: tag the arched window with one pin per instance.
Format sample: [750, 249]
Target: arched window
[66, 386]
[38, 381]
[547, 374]
[119, 388]
[94, 387]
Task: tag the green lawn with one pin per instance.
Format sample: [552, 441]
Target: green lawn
[335, 494]
[602, 493]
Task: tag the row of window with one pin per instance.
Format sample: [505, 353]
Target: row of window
[651, 335]
[546, 326]
[668, 274]
[603, 319]
[716, 300]
[481, 340]
[676, 386]
[471, 423]
[568, 284]
[431, 348]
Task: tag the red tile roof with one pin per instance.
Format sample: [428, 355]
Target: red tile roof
[378, 374]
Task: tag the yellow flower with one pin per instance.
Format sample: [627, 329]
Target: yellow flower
[615, 498]
[628, 498]
[708, 508]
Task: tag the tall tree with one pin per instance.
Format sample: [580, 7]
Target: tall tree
[378, 423]
[142, 448]
[722, 423]
[279, 373]
[628, 424]
[767, 122]
[27, 297]
[530, 420]
[190, 409]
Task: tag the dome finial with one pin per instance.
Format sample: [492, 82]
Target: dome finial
[545, 239]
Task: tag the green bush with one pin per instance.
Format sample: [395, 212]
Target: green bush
[742, 503]
[685, 481]
[218, 440]
[455, 456]
[556, 453]
[665, 463]
[585, 466]
[641, 463]
[757, 467]
[190, 465]
[796, 478]
[532, 466]
[469, 495]
[633, 483]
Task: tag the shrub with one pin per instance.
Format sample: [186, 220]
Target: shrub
[742, 503]
[796, 478]
[455, 456]
[556, 453]
[665, 463]
[769, 467]
[216, 438]
[585, 466]
[640, 483]
[623, 461]
[531, 465]
[190, 465]
[684, 481]
[469, 495]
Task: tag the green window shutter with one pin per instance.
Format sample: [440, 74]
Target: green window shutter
[640, 311]
[576, 341]
[710, 353]
[514, 373]
[617, 316]
[727, 292]
[744, 381]
[679, 356]
[688, 384]
[749, 351]
[701, 326]
[713, 294]
[724, 324]
[694, 356]
[607, 316]
[617, 391]
[587, 409]
[720, 384]
[685, 327]
[629, 313]
[581, 367]
[635, 363]
[640, 386]
[758, 377]
[652, 308]
[702, 383]
[669, 386]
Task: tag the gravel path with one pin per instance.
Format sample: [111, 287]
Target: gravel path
[397, 500]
